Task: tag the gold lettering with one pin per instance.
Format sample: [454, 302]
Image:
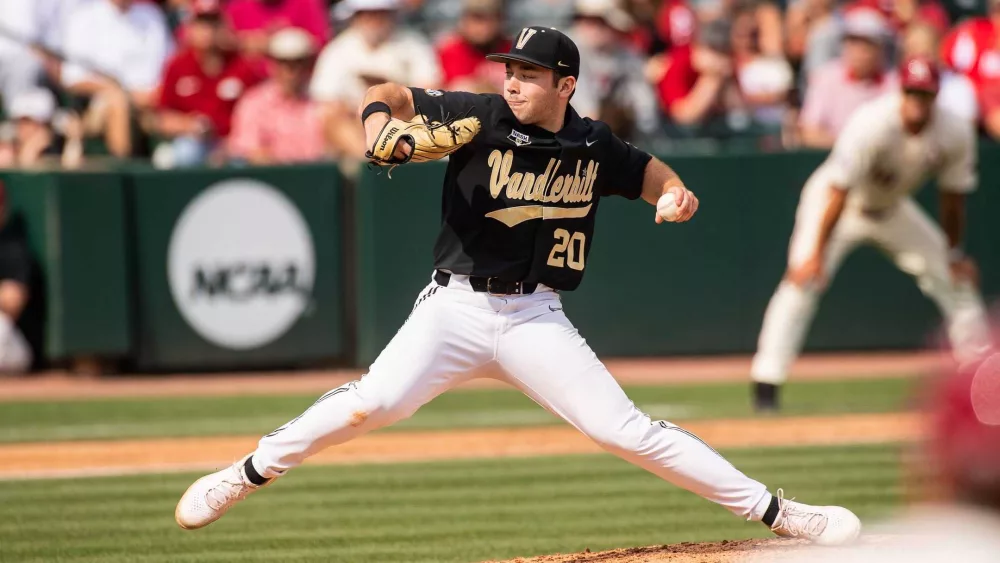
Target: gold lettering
[500, 175]
[542, 182]
[573, 195]
[529, 186]
[515, 189]
[556, 189]
[496, 157]
[593, 178]
[588, 182]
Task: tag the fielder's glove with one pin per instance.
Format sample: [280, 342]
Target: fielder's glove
[428, 140]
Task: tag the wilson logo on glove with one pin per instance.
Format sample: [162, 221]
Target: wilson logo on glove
[428, 140]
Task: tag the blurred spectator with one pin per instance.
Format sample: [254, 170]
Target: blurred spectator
[960, 463]
[764, 80]
[372, 50]
[902, 13]
[676, 25]
[815, 32]
[276, 122]
[766, 13]
[693, 87]
[463, 53]
[255, 21]
[973, 49]
[551, 13]
[117, 49]
[15, 278]
[768, 24]
[957, 91]
[200, 88]
[837, 88]
[38, 132]
[20, 68]
[612, 87]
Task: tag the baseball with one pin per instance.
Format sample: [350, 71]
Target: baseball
[667, 207]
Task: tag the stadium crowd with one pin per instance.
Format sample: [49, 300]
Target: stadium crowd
[188, 82]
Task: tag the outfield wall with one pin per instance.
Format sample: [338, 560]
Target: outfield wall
[281, 267]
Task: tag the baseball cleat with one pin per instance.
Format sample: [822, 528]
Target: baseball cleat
[765, 398]
[822, 525]
[210, 497]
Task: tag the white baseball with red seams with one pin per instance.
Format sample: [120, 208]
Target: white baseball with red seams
[666, 207]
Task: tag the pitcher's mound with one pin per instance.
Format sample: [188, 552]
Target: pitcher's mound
[741, 551]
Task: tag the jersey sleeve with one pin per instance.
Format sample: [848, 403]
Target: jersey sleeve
[439, 105]
[958, 171]
[626, 168]
[852, 154]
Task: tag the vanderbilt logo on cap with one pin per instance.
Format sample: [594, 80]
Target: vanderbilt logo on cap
[518, 138]
[526, 34]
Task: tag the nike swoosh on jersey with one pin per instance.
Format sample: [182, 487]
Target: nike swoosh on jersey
[513, 216]
[554, 309]
[589, 142]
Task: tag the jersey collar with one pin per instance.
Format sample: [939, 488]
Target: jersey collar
[575, 128]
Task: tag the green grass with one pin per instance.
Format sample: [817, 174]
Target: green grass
[455, 511]
[205, 416]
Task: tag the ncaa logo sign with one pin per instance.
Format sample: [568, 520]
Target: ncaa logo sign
[241, 264]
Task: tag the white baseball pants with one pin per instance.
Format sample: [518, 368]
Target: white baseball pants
[453, 330]
[908, 237]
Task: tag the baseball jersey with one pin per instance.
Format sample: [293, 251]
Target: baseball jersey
[880, 163]
[519, 203]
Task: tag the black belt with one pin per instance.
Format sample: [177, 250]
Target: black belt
[493, 286]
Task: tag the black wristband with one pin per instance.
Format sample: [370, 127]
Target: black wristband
[375, 107]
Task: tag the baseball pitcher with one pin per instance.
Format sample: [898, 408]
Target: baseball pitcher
[861, 195]
[524, 180]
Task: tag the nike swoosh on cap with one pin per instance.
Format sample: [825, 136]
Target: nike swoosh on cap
[560, 63]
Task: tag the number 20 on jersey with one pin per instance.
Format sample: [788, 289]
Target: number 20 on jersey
[568, 250]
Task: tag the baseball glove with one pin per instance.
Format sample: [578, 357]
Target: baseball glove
[429, 140]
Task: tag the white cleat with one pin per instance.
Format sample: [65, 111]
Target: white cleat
[822, 525]
[210, 497]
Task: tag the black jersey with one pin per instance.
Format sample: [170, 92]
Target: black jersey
[520, 202]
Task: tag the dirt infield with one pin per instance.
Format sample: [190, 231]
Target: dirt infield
[60, 386]
[65, 459]
[742, 551]
[717, 552]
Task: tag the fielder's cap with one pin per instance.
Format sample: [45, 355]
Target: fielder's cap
[291, 44]
[206, 8]
[608, 10]
[866, 23]
[965, 426]
[920, 74]
[37, 105]
[546, 47]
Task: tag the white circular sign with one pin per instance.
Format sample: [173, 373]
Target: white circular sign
[241, 264]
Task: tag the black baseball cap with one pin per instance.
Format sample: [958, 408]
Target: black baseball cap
[546, 47]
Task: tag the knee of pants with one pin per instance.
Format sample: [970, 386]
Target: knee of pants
[386, 406]
[627, 438]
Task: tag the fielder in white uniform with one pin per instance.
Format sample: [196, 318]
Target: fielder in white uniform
[861, 195]
[519, 202]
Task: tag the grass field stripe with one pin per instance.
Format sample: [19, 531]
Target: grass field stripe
[442, 512]
[389, 447]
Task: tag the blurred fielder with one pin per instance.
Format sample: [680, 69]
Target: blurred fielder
[861, 195]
